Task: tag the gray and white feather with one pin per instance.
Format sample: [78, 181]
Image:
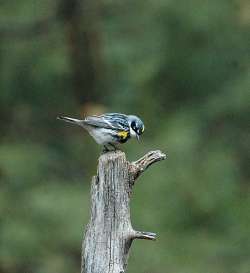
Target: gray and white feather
[110, 128]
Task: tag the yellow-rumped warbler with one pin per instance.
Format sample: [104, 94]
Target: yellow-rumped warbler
[110, 129]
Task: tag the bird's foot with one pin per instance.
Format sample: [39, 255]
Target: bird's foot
[105, 149]
[110, 147]
[113, 146]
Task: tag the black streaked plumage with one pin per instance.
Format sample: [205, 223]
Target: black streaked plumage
[110, 128]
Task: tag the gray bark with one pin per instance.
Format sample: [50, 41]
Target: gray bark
[109, 233]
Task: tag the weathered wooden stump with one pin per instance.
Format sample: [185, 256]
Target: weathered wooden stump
[109, 233]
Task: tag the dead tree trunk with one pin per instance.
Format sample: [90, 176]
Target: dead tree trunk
[109, 233]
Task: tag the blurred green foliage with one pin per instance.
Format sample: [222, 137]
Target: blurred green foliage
[184, 67]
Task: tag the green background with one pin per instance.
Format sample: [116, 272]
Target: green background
[184, 68]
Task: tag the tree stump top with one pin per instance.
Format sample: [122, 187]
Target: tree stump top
[109, 233]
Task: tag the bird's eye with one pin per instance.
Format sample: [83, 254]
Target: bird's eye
[133, 125]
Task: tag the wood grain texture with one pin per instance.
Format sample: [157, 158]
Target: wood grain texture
[109, 233]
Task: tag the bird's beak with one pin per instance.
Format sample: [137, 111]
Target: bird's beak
[138, 137]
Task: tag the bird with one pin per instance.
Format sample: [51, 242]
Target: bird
[110, 129]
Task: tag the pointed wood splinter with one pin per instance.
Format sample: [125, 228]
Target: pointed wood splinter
[145, 235]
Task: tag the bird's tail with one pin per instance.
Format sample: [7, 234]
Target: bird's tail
[71, 120]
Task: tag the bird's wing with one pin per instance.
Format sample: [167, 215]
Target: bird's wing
[110, 121]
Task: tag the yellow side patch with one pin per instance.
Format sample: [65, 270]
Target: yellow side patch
[123, 134]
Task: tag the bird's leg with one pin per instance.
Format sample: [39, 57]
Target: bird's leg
[113, 146]
[105, 149]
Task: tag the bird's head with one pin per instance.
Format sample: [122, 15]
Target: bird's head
[136, 126]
